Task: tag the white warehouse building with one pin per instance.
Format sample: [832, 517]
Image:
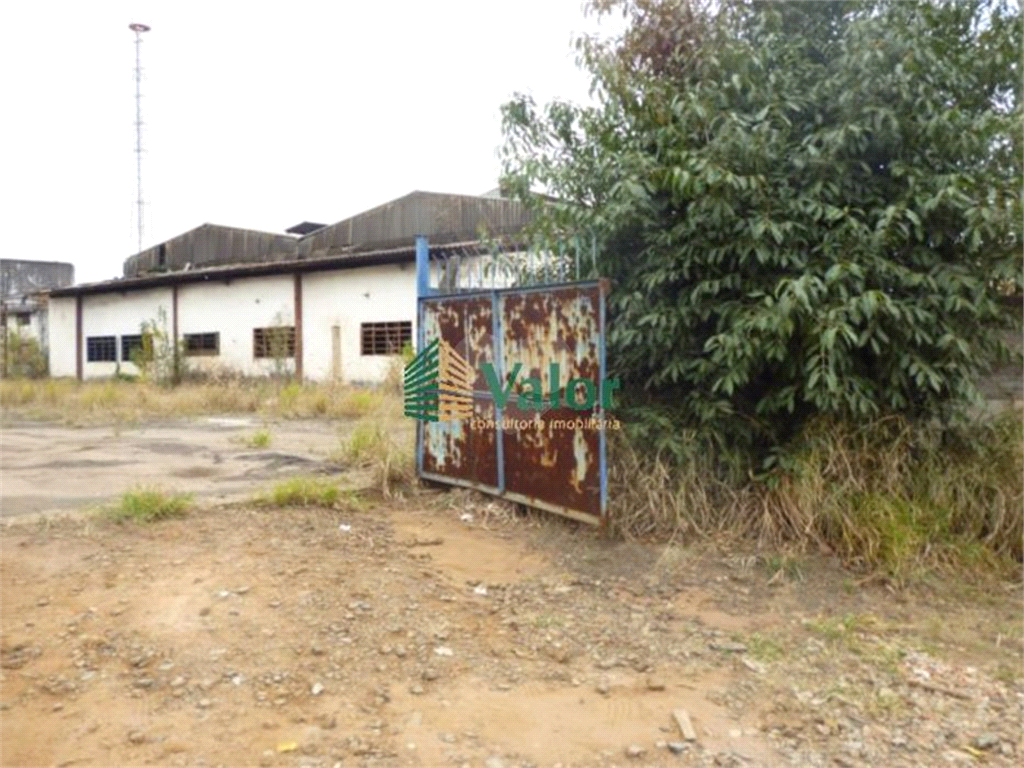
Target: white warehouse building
[330, 303]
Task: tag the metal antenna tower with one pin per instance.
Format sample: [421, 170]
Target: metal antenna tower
[138, 29]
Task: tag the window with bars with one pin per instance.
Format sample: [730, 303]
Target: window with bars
[385, 338]
[128, 346]
[275, 342]
[202, 344]
[101, 349]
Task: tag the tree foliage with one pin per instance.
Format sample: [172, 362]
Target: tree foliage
[805, 208]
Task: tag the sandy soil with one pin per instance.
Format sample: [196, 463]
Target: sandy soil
[446, 629]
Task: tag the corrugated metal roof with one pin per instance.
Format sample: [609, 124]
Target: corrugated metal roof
[442, 218]
[304, 228]
[208, 245]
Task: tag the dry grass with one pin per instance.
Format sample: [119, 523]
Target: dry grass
[84, 402]
[382, 444]
[886, 497]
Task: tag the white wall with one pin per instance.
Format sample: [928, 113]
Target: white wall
[345, 298]
[348, 298]
[234, 310]
[61, 333]
[118, 314]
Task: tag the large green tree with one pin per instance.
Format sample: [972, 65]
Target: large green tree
[805, 208]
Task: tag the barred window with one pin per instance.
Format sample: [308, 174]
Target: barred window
[202, 344]
[385, 338]
[128, 346]
[275, 342]
[101, 349]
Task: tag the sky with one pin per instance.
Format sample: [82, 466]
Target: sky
[257, 115]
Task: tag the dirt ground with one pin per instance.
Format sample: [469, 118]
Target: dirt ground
[446, 629]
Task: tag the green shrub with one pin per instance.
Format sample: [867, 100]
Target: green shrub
[301, 492]
[145, 505]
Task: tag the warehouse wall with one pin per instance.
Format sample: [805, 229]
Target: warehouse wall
[346, 299]
[117, 314]
[233, 310]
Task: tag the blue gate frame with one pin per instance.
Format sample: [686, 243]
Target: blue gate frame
[555, 459]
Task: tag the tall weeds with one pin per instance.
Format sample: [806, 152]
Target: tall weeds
[890, 495]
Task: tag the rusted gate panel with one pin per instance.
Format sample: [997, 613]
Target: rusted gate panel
[555, 331]
[458, 450]
[552, 458]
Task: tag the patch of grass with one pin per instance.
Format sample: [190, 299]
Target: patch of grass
[786, 565]
[845, 631]
[358, 403]
[367, 441]
[109, 399]
[763, 648]
[373, 446]
[259, 439]
[302, 492]
[1008, 675]
[146, 505]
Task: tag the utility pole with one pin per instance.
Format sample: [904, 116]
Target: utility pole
[138, 29]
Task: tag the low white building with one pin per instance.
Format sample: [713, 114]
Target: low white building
[336, 304]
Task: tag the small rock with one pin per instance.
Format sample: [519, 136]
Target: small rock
[752, 665]
[443, 650]
[986, 741]
[494, 762]
[204, 703]
[635, 751]
[317, 650]
[677, 747]
[654, 684]
[144, 682]
[416, 689]
[602, 686]
[178, 682]
[728, 647]
[430, 674]
[317, 689]
[682, 718]
[136, 737]
[57, 707]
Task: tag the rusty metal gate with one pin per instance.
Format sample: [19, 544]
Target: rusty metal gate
[544, 446]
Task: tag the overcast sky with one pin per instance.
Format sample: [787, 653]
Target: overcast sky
[257, 115]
